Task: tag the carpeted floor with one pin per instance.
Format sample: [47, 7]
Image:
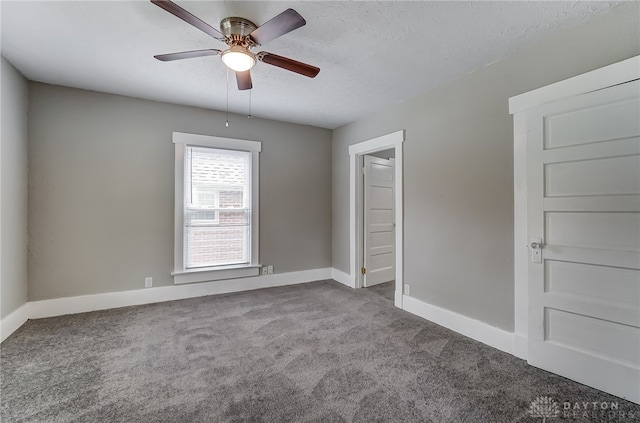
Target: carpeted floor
[387, 290]
[317, 352]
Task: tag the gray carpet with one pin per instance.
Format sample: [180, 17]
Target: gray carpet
[387, 290]
[317, 352]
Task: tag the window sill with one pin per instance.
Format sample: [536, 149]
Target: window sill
[208, 274]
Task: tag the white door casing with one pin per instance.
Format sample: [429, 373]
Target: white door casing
[583, 197]
[379, 221]
[393, 141]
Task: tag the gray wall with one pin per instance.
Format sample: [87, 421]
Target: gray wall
[13, 190]
[101, 190]
[458, 168]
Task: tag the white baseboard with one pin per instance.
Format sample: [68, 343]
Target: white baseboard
[464, 325]
[12, 321]
[81, 304]
[520, 346]
[85, 303]
[397, 298]
[343, 278]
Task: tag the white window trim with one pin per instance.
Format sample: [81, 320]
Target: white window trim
[180, 275]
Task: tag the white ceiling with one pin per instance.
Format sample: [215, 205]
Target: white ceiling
[371, 54]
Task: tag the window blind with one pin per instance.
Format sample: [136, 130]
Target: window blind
[217, 207]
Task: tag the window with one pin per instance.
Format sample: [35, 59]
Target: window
[216, 206]
[203, 205]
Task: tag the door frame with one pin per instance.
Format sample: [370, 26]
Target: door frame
[356, 152]
[617, 73]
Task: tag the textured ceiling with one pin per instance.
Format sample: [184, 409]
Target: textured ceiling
[371, 54]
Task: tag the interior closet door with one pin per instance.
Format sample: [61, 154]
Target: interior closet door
[379, 221]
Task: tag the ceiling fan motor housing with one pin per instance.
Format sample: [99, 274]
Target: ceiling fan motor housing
[236, 30]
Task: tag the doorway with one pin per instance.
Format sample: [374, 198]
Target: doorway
[390, 145]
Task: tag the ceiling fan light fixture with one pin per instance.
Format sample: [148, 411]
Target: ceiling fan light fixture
[238, 59]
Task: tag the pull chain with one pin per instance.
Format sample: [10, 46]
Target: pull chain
[226, 124]
[250, 115]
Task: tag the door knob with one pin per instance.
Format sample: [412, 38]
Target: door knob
[536, 250]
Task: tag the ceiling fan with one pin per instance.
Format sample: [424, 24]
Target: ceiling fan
[241, 36]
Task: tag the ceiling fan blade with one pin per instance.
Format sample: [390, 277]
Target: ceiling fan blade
[288, 64]
[187, 54]
[244, 80]
[285, 22]
[178, 11]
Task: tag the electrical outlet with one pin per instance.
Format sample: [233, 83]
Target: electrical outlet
[148, 282]
[270, 269]
[265, 270]
[407, 289]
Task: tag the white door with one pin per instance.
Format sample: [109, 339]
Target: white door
[584, 232]
[379, 228]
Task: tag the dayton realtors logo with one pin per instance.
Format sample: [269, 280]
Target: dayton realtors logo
[596, 409]
[544, 407]
[547, 407]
